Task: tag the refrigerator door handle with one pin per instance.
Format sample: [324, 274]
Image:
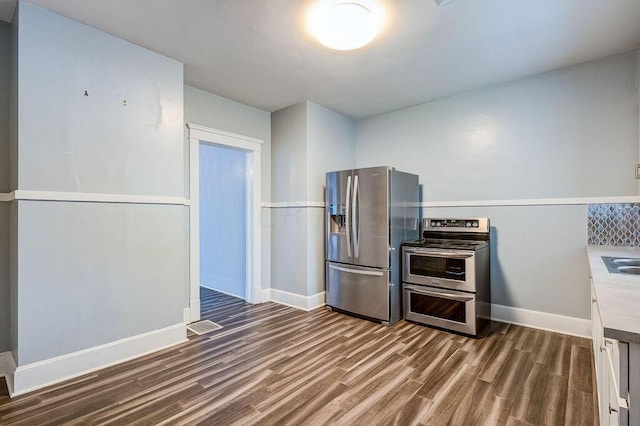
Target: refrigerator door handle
[356, 271]
[348, 216]
[356, 229]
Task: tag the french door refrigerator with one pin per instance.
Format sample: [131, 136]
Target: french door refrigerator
[369, 214]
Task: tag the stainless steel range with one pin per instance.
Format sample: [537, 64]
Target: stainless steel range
[446, 275]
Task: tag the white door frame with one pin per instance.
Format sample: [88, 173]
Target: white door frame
[253, 148]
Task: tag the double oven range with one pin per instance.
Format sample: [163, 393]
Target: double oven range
[446, 275]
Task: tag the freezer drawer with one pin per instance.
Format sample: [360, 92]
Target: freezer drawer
[359, 290]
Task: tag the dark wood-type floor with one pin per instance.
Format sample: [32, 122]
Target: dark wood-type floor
[271, 364]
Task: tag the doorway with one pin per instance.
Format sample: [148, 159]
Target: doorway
[223, 219]
[223, 168]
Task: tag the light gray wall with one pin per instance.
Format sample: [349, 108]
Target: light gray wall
[102, 273]
[315, 250]
[125, 137]
[5, 290]
[5, 186]
[223, 219]
[289, 153]
[330, 146]
[206, 109]
[92, 273]
[288, 183]
[13, 102]
[567, 133]
[308, 141]
[538, 256]
[13, 278]
[289, 250]
[331, 140]
[5, 79]
[12, 97]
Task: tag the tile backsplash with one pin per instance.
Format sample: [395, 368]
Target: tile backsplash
[614, 224]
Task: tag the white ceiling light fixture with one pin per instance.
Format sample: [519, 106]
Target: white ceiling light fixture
[442, 2]
[345, 25]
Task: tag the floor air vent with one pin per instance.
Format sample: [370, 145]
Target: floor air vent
[203, 327]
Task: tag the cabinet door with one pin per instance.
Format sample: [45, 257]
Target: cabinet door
[612, 364]
[620, 395]
[604, 391]
[602, 375]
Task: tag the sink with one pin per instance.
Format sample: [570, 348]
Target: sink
[627, 262]
[629, 270]
[622, 265]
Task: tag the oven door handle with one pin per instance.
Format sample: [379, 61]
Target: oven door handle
[440, 294]
[439, 253]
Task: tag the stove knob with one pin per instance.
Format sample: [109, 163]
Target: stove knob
[468, 225]
[475, 224]
[437, 223]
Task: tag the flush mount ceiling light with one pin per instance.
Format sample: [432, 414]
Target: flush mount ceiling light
[345, 25]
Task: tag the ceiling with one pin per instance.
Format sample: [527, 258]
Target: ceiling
[258, 52]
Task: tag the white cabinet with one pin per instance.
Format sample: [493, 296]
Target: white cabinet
[611, 359]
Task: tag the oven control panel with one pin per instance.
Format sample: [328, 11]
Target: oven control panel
[454, 223]
[457, 225]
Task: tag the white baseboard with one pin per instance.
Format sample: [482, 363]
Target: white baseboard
[259, 293]
[194, 309]
[535, 319]
[305, 303]
[30, 377]
[265, 295]
[222, 291]
[7, 363]
[316, 300]
[542, 320]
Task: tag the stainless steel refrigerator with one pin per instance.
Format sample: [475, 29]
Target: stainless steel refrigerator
[369, 213]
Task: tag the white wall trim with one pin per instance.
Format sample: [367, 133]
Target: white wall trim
[6, 197]
[265, 295]
[224, 138]
[88, 197]
[532, 202]
[306, 303]
[542, 320]
[293, 204]
[221, 291]
[7, 363]
[30, 377]
[253, 147]
[481, 203]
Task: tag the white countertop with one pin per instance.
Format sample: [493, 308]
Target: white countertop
[618, 295]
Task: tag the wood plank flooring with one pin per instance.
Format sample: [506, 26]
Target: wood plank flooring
[271, 364]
